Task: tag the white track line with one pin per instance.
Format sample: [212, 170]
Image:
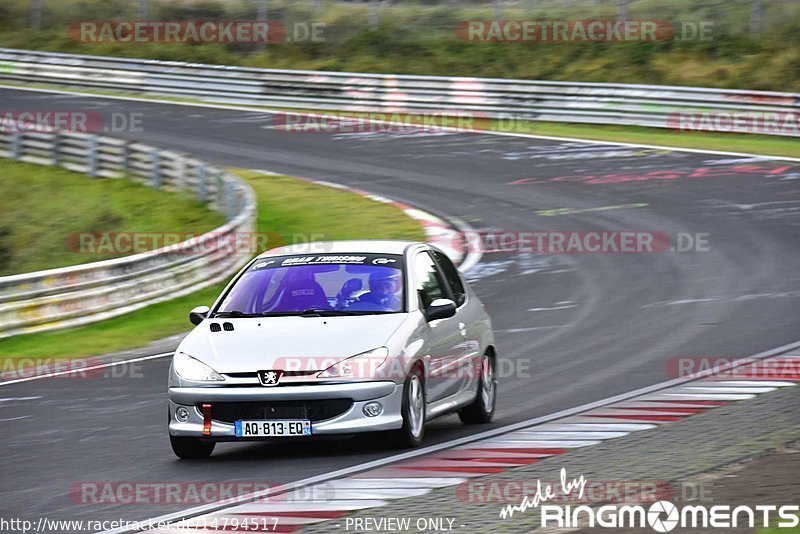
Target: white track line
[460, 443]
[446, 129]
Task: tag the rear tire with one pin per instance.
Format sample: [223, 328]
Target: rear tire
[481, 410]
[191, 448]
[413, 410]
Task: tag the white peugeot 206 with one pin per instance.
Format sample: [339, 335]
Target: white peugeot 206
[333, 338]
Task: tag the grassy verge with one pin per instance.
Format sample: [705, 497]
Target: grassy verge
[69, 205]
[752, 144]
[289, 210]
[777, 530]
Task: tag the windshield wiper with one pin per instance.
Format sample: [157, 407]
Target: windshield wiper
[234, 314]
[322, 312]
[319, 312]
[310, 312]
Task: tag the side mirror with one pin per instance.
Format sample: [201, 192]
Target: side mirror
[197, 314]
[440, 309]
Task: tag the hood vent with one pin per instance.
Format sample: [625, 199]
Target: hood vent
[215, 327]
[228, 327]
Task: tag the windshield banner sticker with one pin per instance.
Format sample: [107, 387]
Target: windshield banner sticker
[385, 260]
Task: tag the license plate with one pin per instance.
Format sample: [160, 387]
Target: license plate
[273, 428]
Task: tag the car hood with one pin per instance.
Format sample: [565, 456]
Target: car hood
[307, 343]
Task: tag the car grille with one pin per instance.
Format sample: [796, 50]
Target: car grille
[316, 410]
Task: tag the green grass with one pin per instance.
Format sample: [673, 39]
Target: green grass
[294, 210]
[414, 38]
[289, 210]
[777, 530]
[45, 210]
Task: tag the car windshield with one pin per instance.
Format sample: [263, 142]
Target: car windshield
[319, 284]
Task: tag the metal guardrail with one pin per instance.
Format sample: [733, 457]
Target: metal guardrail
[594, 103]
[80, 294]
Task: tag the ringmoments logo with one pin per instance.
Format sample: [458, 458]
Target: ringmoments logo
[660, 516]
[663, 516]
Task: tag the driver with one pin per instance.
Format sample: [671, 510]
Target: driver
[384, 289]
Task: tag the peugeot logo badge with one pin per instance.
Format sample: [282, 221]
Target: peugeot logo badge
[269, 378]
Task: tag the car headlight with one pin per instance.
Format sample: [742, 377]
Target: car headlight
[192, 369]
[361, 365]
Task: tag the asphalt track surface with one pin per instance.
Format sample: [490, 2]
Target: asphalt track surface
[571, 328]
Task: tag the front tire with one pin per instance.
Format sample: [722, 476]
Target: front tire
[481, 410]
[191, 448]
[413, 409]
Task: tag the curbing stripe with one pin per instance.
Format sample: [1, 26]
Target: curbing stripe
[496, 454]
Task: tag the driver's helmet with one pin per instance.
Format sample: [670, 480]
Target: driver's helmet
[385, 281]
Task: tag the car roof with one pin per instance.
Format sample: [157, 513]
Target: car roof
[363, 246]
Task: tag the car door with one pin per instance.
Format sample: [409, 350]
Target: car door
[469, 346]
[444, 337]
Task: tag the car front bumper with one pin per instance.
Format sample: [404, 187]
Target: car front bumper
[353, 420]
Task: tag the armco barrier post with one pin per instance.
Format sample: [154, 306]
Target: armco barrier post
[57, 149]
[155, 171]
[219, 194]
[230, 206]
[180, 173]
[16, 145]
[126, 157]
[91, 157]
[201, 183]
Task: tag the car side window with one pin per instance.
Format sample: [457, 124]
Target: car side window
[452, 277]
[429, 286]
